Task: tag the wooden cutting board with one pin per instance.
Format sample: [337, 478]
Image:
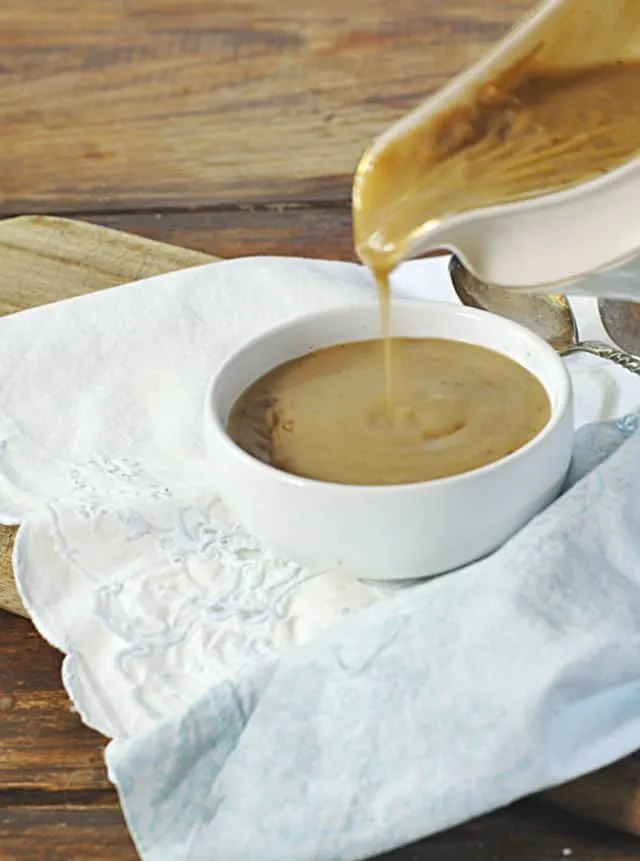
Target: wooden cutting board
[46, 259]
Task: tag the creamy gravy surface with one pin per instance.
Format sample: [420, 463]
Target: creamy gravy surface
[455, 407]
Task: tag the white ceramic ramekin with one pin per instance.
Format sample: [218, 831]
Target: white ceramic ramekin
[401, 531]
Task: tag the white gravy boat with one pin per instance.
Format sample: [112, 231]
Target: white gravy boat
[554, 240]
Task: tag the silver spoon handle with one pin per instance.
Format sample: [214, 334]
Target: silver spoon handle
[604, 351]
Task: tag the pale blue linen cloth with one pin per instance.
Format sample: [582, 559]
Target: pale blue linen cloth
[453, 698]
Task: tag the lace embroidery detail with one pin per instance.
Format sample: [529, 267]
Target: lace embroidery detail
[185, 596]
[170, 597]
[111, 476]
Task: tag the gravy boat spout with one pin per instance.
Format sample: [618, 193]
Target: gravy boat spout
[438, 180]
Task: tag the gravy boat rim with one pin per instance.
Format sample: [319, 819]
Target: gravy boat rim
[501, 56]
[596, 187]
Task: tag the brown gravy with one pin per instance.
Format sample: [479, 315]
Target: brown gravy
[323, 416]
[533, 130]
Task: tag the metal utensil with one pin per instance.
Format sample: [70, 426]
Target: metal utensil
[621, 321]
[550, 316]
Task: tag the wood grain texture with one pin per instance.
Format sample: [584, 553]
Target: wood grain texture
[52, 831]
[295, 229]
[46, 259]
[43, 743]
[610, 796]
[138, 103]
[94, 829]
[9, 598]
[527, 831]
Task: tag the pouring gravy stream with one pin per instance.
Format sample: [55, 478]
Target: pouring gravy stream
[530, 131]
[443, 407]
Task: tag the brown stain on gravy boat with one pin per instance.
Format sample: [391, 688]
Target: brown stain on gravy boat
[531, 130]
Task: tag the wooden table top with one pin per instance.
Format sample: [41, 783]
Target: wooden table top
[232, 127]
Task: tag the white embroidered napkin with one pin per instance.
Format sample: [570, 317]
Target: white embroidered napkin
[457, 696]
[126, 559]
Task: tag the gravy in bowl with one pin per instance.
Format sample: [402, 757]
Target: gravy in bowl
[455, 407]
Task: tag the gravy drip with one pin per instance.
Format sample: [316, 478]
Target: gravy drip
[456, 407]
[532, 131]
